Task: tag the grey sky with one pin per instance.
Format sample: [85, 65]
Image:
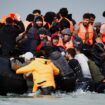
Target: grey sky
[76, 7]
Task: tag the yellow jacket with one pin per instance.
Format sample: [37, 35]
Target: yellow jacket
[43, 72]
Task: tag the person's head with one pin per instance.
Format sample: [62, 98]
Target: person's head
[86, 19]
[38, 21]
[28, 56]
[92, 18]
[9, 20]
[63, 12]
[66, 34]
[30, 17]
[36, 12]
[97, 25]
[103, 14]
[42, 33]
[47, 50]
[66, 38]
[55, 40]
[50, 17]
[16, 63]
[70, 53]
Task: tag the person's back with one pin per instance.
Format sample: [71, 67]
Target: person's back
[83, 60]
[43, 72]
[8, 35]
[74, 64]
[66, 79]
[102, 30]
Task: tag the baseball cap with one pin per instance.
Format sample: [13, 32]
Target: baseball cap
[27, 56]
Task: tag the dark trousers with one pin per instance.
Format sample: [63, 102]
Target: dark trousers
[66, 84]
[100, 87]
[47, 90]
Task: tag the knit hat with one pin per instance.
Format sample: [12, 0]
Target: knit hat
[27, 56]
[66, 31]
[77, 41]
[42, 30]
[97, 24]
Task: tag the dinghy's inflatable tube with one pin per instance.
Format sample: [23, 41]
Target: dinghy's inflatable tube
[10, 82]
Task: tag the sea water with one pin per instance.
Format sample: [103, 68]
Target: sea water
[75, 98]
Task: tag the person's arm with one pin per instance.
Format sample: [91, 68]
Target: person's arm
[25, 69]
[55, 69]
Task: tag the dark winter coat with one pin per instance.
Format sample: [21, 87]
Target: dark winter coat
[8, 34]
[61, 63]
[10, 82]
[95, 71]
[74, 64]
[33, 38]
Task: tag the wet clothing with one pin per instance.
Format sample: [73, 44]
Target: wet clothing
[74, 64]
[97, 50]
[46, 90]
[43, 72]
[61, 63]
[66, 79]
[97, 76]
[95, 71]
[83, 61]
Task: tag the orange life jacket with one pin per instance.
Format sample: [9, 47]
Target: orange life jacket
[82, 33]
[103, 35]
[69, 44]
[3, 19]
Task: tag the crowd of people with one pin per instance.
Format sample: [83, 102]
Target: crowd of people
[54, 52]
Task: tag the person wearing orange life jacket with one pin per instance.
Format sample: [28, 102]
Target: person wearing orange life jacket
[62, 40]
[67, 38]
[96, 37]
[85, 31]
[49, 18]
[63, 13]
[43, 71]
[92, 18]
[102, 30]
[68, 41]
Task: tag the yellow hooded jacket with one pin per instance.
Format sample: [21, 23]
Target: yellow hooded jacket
[43, 72]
